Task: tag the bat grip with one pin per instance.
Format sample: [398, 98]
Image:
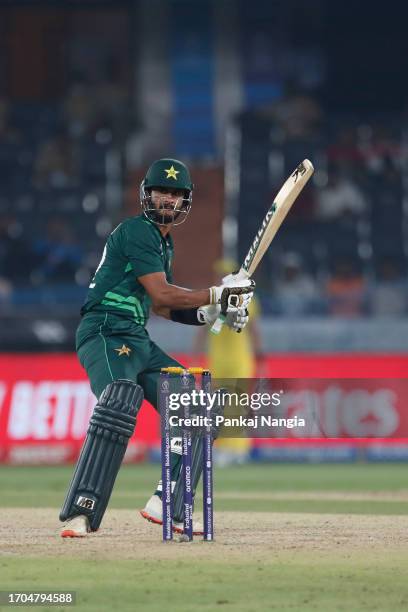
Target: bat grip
[218, 323]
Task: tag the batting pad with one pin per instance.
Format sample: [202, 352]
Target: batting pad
[112, 424]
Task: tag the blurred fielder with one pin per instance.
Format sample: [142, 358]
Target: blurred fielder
[122, 362]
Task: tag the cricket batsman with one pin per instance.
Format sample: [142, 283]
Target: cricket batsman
[122, 363]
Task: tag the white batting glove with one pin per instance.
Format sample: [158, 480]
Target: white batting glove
[233, 296]
[231, 278]
[237, 320]
[208, 314]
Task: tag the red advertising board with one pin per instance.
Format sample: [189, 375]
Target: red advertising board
[45, 405]
[45, 401]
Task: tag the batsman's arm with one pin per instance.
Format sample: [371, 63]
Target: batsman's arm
[161, 311]
[183, 303]
[166, 297]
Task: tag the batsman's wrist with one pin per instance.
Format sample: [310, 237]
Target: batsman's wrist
[190, 316]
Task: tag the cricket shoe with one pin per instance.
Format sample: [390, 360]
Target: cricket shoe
[153, 512]
[77, 527]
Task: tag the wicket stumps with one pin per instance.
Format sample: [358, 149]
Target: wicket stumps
[208, 513]
[187, 381]
[167, 502]
[187, 384]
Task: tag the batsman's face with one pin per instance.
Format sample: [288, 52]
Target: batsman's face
[167, 200]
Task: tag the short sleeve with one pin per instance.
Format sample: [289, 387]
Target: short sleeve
[142, 248]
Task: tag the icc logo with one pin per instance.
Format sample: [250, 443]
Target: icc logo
[184, 381]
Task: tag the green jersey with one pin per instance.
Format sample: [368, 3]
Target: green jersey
[135, 248]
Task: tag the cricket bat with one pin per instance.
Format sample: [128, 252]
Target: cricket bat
[270, 225]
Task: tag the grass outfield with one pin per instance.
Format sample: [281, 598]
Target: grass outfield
[289, 537]
[236, 488]
[302, 582]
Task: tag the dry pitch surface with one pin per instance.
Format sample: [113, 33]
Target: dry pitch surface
[125, 535]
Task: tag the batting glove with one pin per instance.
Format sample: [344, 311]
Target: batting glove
[233, 296]
[237, 320]
[208, 314]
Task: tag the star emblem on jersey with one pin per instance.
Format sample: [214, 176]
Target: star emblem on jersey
[123, 350]
[172, 172]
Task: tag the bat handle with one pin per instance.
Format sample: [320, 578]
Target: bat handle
[218, 323]
[242, 274]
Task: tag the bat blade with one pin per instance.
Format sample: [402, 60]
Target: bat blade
[273, 219]
[271, 223]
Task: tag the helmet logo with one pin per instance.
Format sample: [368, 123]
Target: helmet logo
[172, 172]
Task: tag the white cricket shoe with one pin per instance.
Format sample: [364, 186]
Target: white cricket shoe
[77, 527]
[153, 512]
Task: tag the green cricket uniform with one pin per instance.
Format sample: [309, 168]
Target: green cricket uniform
[116, 351]
[111, 340]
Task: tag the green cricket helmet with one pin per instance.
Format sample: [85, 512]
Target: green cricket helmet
[170, 173]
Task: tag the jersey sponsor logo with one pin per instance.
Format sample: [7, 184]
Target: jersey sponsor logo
[123, 350]
[172, 172]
